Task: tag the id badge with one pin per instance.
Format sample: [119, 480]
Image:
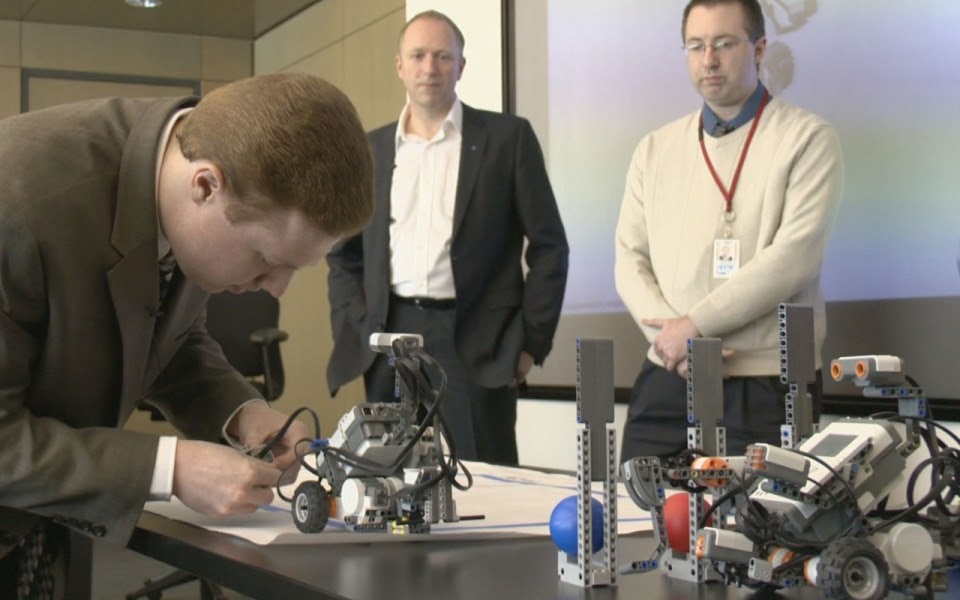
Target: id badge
[726, 258]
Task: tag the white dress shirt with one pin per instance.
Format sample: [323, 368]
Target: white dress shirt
[422, 198]
[161, 485]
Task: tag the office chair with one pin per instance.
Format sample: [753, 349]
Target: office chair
[245, 326]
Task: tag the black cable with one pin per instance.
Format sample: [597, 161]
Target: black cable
[836, 474]
[931, 440]
[763, 529]
[411, 364]
[299, 462]
[283, 430]
[414, 382]
[728, 495]
[947, 457]
[406, 369]
[442, 426]
[913, 509]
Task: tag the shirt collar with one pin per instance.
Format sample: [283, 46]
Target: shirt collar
[750, 108]
[163, 245]
[453, 119]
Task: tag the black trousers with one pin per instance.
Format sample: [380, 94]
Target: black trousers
[482, 420]
[753, 411]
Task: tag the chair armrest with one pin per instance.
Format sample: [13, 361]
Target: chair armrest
[269, 338]
[268, 335]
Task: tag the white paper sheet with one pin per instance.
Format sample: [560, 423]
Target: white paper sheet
[514, 502]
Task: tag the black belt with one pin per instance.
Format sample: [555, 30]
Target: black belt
[425, 302]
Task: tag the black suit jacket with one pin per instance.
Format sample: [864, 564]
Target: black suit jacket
[503, 197]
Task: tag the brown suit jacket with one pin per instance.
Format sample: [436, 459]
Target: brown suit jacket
[82, 339]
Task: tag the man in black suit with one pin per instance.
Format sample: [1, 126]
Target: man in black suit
[458, 190]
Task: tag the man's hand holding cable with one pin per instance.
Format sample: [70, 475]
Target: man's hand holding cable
[256, 424]
[216, 480]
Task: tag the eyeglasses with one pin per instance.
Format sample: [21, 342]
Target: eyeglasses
[722, 45]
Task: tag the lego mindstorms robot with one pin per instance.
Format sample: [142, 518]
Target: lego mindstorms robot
[390, 466]
[817, 512]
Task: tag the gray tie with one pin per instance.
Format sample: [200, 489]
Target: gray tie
[721, 129]
[168, 263]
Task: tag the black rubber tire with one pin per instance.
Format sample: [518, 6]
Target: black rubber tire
[853, 569]
[310, 507]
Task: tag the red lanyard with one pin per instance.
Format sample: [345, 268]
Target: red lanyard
[728, 195]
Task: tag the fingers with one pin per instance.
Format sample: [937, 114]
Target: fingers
[253, 487]
[288, 465]
[671, 360]
[256, 489]
[264, 475]
[682, 367]
[290, 475]
[217, 480]
[284, 450]
[260, 496]
[285, 455]
[670, 364]
[652, 322]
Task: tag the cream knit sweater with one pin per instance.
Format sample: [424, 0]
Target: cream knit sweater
[785, 204]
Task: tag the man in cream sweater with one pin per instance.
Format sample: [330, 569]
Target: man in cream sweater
[725, 215]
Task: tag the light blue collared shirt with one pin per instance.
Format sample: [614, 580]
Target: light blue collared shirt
[750, 108]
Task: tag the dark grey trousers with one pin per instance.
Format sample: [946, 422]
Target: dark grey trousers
[657, 418]
[483, 420]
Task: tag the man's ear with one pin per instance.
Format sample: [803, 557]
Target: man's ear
[207, 180]
[761, 50]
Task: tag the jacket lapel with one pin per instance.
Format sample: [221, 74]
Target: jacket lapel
[134, 292]
[378, 244]
[471, 152]
[134, 279]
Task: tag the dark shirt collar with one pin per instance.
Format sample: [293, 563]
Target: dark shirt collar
[750, 108]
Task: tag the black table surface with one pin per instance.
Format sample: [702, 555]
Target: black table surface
[511, 569]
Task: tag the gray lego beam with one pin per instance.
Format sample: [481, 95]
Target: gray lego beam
[796, 344]
[797, 366]
[705, 389]
[595, 397]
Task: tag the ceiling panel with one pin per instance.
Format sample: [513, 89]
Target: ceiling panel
[245, 19]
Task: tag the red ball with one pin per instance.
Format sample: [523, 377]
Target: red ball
[676, 518]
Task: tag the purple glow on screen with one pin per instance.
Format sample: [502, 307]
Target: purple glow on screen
[884, 72]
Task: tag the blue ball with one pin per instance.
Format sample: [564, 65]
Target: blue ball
[563, 525]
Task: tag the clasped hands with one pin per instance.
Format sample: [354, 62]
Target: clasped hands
[218, 480]
[671, 343]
